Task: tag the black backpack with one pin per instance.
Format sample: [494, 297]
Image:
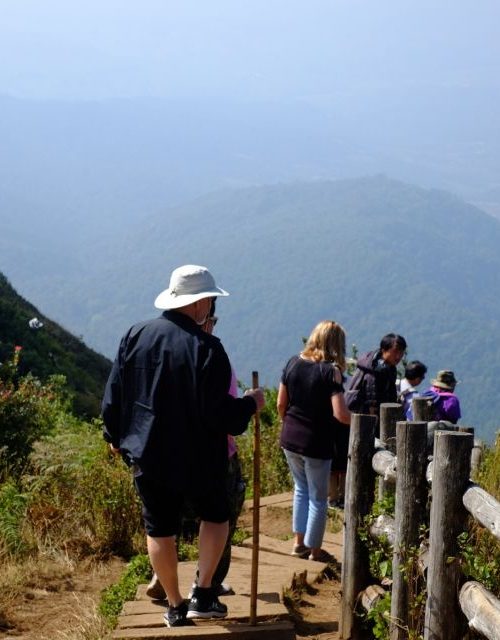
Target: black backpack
[355, 396]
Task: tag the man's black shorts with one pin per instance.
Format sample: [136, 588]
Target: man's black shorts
[162, 507]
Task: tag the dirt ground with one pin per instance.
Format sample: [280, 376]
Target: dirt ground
[45, 612]
[316, 611]
[48, 613]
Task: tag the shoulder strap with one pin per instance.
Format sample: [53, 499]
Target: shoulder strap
[357, 379]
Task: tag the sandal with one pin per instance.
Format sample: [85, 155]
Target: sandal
[323, 556]
[300, 551]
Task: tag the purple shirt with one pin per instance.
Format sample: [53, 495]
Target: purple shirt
[450, 407]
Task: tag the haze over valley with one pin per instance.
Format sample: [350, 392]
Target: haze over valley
[336, 160]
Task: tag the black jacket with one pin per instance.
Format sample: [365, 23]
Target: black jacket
[166, 405]
[377, 381]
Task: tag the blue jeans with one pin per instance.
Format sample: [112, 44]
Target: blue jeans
[310, 498]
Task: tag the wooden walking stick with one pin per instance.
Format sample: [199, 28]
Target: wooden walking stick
[256, 507]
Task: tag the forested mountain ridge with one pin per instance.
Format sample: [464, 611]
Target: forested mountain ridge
[375, 254]
[50, 349]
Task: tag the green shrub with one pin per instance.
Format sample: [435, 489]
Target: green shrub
[28, 410]
[138, 571]
[489, 472]
[12, 515]
[379, 549]
[274, 473]
[81, 496]
[187, 549]
[480, 557]
[480, 550]
[239, 536]
[379, 617]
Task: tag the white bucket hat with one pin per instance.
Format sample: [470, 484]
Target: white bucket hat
[188, 284]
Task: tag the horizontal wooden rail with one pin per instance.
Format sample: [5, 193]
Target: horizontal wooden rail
[384, 525]
[484, 507]
[481, 609]
[371, 596]
[384, 464]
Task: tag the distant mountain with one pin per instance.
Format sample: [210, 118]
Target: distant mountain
[50, 349]
[108, 162]
[375, 254]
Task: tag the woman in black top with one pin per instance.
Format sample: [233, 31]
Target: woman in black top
[311, 404]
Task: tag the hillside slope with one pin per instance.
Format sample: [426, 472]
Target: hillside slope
[51, 349]
[375, 254]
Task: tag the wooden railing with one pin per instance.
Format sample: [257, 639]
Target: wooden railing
[401, 459]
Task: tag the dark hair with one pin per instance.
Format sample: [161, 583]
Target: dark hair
[415, 369]
[392, 340]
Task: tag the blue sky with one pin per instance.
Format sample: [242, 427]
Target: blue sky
[263, 49]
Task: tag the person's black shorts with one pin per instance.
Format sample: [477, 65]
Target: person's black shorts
[162, 508]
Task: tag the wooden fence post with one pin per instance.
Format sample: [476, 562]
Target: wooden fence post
[444, 619]
[423, 409]
[411, 499]
[360, 489]
[390, 414]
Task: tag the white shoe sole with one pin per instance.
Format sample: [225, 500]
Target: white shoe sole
[206, 614]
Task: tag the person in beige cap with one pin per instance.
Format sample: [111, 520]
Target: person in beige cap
[167, 410]
[442, 394]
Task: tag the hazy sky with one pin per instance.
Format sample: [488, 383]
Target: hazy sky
[258, 49]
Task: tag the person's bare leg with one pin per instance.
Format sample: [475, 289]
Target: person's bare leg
[163, 558]
[299, 539]
[212, 540]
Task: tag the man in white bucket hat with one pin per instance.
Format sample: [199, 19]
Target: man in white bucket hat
[188, 284]
[167, 410]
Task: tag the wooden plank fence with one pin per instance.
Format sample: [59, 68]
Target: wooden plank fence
[401, 460]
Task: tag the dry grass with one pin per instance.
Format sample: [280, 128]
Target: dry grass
[21, 577]
[88, 624]
[54, 593]
[81, 498]
[8, 595]
[335, 520]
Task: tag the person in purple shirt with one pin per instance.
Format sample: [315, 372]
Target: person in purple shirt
[446, 403]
